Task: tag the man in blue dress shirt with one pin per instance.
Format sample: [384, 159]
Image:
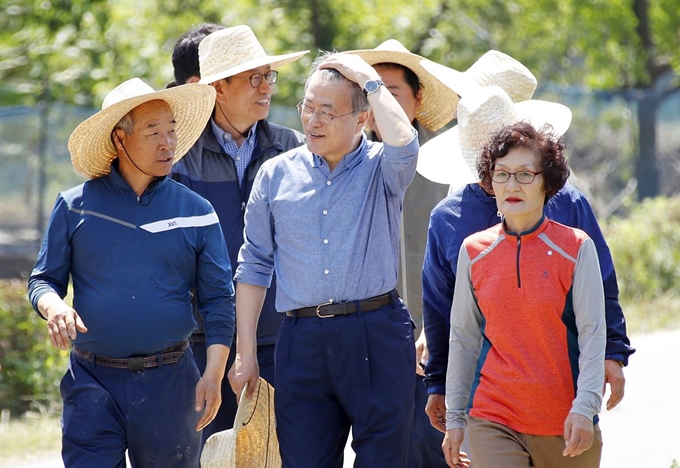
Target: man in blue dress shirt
[325, 217]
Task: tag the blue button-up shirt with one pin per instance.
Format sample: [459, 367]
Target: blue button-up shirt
[330, 236]
[242, 155]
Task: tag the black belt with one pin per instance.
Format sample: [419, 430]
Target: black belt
[333, 309]
[169, 355]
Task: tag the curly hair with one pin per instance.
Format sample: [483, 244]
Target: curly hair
[543, 142]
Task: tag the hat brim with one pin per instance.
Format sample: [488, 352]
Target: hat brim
[438, 104]
[274, 61]
[90, 145]
[456, 81]
[218, 451]
[443, 160]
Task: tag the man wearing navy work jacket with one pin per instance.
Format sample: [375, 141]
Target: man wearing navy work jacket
[222, 165]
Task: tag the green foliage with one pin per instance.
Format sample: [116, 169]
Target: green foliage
[31, 367]
[645, 249]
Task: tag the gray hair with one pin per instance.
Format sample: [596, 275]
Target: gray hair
[126, 123]
[358, 100]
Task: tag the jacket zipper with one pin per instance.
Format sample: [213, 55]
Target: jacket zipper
[519, 248]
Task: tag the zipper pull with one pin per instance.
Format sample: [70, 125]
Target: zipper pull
[243, 206]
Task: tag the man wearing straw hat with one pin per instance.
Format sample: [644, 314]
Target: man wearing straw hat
[185, 64]
[470, 209]
[326, 218]
[136, 245]
[223, 163]
[429, 105]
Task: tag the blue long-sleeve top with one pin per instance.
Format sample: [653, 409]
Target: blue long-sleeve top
[133, 262]
[469, 210]
[328, 235]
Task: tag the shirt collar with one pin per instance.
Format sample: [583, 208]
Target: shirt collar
[223, 137]
[349, 160]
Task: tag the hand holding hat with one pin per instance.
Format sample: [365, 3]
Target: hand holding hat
[252, 443]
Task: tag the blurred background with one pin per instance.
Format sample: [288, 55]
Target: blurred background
[615, 63]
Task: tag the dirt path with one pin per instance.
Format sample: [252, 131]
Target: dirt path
[644, 430]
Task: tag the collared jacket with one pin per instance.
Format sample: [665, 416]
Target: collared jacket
[209, 172]
[134, 262]
[469, 210]
[527, 329]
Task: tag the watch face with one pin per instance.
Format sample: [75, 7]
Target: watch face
[372, 86]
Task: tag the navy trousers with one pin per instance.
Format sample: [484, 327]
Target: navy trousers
[225, 416]
[354, 371]
[149, 413]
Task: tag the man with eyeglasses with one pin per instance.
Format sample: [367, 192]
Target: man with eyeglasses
[326, 218]
[222, 165]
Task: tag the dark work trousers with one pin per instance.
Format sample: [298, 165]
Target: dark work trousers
[427, 441]
[225, 416]
[150, 413]
[349, 371]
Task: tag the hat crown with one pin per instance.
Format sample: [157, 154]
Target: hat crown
[481, 114]
[393, 45]
[499, 69]
[131, 88]
[228, 48]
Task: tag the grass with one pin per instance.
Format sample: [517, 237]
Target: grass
[34, 437]
[646, 316]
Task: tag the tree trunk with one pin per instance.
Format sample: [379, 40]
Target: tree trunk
[646, 170]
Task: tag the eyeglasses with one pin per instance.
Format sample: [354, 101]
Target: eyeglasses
[256, 78]
[325, 118]
[522, 177]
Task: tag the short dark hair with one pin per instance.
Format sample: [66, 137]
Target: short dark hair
[358, 100]
[410, 78]
[543, 142]
[185, 54]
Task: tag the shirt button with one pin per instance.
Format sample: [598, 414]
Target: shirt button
[325, 241]
[325, 212]
[238, 158]
[325, 272]
[328, 182]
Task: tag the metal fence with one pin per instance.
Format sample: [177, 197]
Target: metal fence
[35, 164]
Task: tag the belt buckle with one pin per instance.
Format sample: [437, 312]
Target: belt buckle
[136, 364]
[322, 305]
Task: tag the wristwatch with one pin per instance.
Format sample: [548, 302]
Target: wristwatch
[371, 86]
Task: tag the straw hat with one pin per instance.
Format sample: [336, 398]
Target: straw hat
[493, 68]
[438, 104]
[480, 115]
[230, 51]
[90, 145]
[252, 443]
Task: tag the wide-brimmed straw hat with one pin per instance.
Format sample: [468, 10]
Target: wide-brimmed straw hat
[252, 443]
[480, 115]
[231, 51]
[494, 68]
[90, 144]
[438, 104]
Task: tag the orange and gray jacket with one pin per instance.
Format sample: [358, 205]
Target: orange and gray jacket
[528, 332]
